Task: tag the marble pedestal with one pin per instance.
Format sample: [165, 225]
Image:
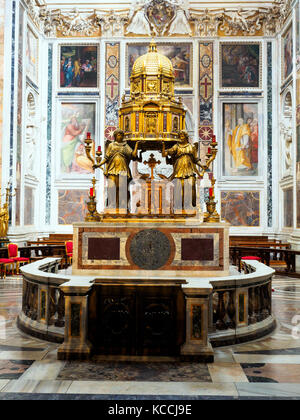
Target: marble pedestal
[151, 247]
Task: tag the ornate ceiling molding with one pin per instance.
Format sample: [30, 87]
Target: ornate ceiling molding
[161, 18]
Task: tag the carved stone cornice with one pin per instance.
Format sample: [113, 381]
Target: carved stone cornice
[111, 23]
[243, 21]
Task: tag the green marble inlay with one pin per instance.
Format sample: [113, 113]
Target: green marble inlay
[75, 319]
[196, 322]
[43, 304]
[241, 307]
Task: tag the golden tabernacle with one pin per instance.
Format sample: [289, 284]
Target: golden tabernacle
[152, 113]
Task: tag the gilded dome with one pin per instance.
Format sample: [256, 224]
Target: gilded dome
[152, 63]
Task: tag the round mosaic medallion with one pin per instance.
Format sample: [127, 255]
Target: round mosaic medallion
[150, 249]
[206, 60]
[112, 61]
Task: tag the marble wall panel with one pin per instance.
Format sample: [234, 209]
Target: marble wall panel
[2, 9]
[72, 206]
[49, 135]
[19, 115]
[29, 204]
[241, 208]
[270, 135]
[288, 213]
[298, 35]
[12, 97]
[298, 144]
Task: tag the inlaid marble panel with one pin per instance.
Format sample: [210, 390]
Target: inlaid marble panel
[288, 207]
[72, 206]
[214, 240]
[29, 204]
[240, 208]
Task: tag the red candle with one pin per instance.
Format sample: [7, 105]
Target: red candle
[91, 192]
[210, 192]
[214, 138]
[99, 148]
[209, 150]
[88, 135]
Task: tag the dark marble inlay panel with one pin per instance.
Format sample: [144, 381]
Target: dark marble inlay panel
[104, 248]
[13, 369]
[272, 372]
[75, 319]
[197, 249]
[275, 352]
[150, 249]
[131, 371]
[196, 322]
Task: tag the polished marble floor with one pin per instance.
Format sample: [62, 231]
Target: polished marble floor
[267, 368]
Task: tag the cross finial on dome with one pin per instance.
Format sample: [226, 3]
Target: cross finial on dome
[152, 46]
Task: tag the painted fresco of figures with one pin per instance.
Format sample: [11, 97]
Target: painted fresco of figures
[288, 53]
[32, 47]
[240, 139]
[76, 120]
[78, 66]
[240, 65]
[180, 55]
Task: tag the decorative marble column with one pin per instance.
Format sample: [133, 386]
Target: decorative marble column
[2, 13]
[76, 344]
[197, 345]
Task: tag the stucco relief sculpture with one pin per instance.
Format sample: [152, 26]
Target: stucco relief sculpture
[287, 140]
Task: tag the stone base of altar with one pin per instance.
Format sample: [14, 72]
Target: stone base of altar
[156, 247]
[136, 319]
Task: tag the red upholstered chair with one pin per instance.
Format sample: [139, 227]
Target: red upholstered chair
[69, 251]
[4, 263]
[13, 255]
[251, 258]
